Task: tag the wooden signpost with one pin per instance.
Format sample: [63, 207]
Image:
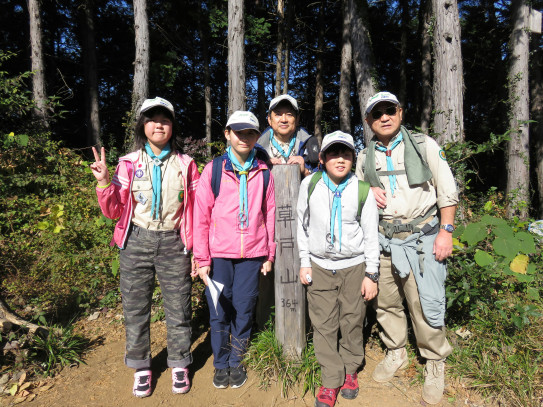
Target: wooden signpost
[289, 292]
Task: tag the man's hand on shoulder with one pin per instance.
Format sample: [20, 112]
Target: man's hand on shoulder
[380, 197]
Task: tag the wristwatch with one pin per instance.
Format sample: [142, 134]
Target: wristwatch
[373, 277]
[448, 227]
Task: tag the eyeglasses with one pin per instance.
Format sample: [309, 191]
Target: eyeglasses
[389, 111]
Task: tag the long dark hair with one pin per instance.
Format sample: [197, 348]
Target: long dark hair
[140, 139]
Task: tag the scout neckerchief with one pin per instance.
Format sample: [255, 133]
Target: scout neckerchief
[156, 179]
[336, 203]
[243, 216]
[278, 147]
[390, 165]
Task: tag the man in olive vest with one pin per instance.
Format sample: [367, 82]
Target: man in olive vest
[417, 196]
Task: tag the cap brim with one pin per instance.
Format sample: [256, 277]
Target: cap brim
[337, 142]
[243, 126]
[370, 107]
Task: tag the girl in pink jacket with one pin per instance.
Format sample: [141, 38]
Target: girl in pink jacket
[235, 240]
[152, 194]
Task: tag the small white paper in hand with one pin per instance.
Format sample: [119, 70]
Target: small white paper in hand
[215, 289]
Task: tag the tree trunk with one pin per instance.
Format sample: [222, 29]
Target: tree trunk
[518, 152]
[426, 66]
[448, 79]
[345, 78]
[279, 50]
[207, 86]
[141, 63]
[38, 67]
[236, 56]
[91, 77]
[402, 94]
[289, 10]
[261, 107]
[536, 112]
[319, 81]
[362, 59]
[8, 319]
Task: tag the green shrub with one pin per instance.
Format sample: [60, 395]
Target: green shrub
[54, 239]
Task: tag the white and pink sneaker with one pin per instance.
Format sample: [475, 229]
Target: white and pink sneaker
[180, 380]
[142, 383]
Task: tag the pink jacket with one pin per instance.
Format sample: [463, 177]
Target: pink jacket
[116, 200]
[217, 220]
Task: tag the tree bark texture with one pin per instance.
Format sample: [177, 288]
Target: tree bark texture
[362, 59]
[345, 78]
[448, 74]
[319, 82]
[38, 67]
[426, 67]
[404, 6]
[279, 48]
[518, 152]
[207, 87]
[91, 77]
[286, 40]
[140, 90]
[236, 56]
[536, 112]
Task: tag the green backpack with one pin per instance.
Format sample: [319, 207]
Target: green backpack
[363, 189]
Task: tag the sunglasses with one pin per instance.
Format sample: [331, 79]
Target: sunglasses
[389, 111]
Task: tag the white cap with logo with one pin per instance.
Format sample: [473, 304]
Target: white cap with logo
[156, 102]
[275, 101]
[381, 97]
[242, 120]
[337, 137]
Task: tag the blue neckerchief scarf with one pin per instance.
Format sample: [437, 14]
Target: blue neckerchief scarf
[390, 166]
[336, 203]
[156, 177]
[278, 147]
[243, 216]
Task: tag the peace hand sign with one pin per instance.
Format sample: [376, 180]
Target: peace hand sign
[99, 168]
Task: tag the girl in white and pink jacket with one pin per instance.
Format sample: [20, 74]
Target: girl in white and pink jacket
[236, 224]
[152, 195]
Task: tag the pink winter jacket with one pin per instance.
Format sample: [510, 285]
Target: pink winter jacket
[116, 201]
[216, 221]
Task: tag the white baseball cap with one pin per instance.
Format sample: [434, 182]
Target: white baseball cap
[381, 97]
[156, 102]
[275, 101]
[242, 120]
[337, 137]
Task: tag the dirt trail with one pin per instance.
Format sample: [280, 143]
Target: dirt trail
[105, 381]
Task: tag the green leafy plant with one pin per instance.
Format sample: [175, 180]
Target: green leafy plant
[61, 347]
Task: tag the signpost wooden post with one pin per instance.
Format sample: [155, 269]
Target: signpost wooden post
[289, 292]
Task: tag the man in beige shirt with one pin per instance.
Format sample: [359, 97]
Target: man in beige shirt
[417, 196]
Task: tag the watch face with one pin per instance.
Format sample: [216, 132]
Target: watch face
[448, 228]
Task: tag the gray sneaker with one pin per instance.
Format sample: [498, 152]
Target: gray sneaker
[434, 381]
[238, 376]
[395, 360]
[221, 378]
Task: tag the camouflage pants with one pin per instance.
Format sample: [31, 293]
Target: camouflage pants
[148, 252]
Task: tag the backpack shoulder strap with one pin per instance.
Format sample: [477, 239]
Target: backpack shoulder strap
[216, 175]
[363, 190]
[314, 179]
[312, 182]
[266, 175]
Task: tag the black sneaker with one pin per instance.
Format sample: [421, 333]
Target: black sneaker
[238, 376]
[221, 378]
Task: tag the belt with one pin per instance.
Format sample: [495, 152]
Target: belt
[139, 230]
